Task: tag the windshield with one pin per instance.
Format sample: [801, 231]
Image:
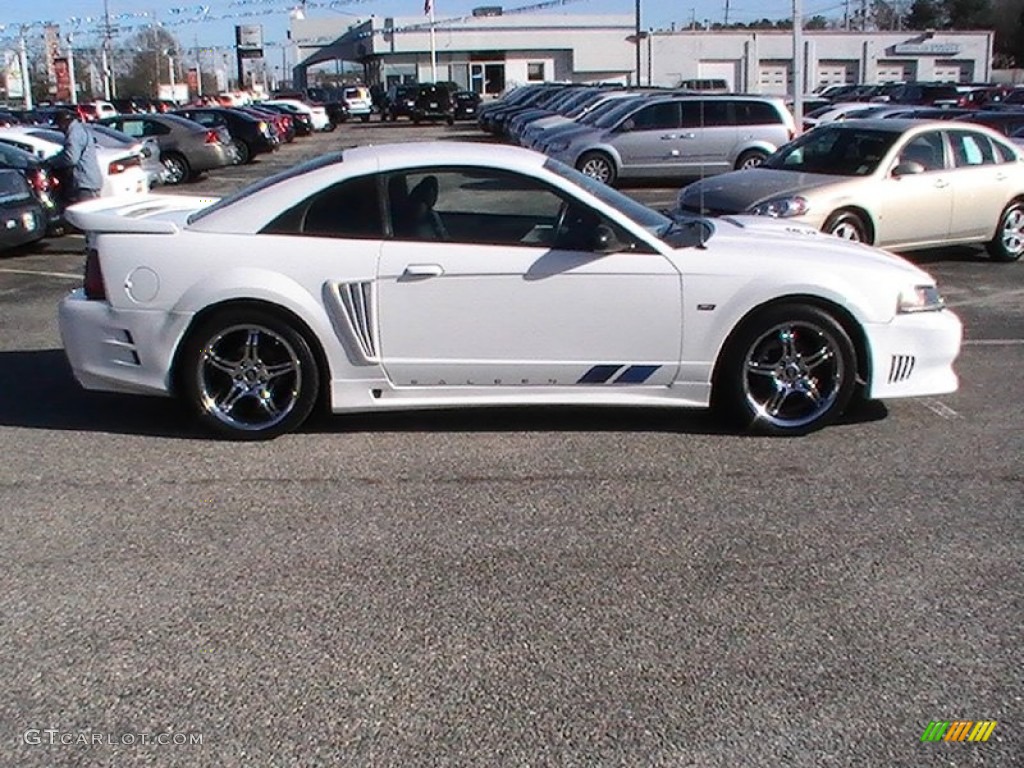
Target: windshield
[679, 232]
[835, 150]
[613, 115]
[586, 105]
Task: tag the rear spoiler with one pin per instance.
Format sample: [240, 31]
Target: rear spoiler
[146, 214]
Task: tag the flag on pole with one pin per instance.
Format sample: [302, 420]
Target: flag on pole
[428, 6]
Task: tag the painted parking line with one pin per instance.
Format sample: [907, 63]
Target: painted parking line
[939, 408]
[41, 273]
[993, 342]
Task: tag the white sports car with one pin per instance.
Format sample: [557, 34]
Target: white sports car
[457, 274]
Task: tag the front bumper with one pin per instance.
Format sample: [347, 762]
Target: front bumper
[117, 350]
[914, 354]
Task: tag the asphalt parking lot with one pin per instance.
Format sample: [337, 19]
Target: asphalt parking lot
[527, 588]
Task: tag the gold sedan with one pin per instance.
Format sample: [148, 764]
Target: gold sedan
[899, 184]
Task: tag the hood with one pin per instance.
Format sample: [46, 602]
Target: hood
[739, 191]
[799, 241]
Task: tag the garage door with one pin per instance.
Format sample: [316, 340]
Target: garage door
[897, 71]
[720, 70]
[954, 71]
[774, 77]
[837, 72]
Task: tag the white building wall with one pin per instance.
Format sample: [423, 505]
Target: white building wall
[682, 55]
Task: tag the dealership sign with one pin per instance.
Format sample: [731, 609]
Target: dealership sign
[926, 49]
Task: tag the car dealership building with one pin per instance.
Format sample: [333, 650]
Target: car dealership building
[489, 51]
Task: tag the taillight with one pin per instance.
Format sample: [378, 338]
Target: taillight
[93, 282]
[120, 166]
[212, 138]
[39, 180]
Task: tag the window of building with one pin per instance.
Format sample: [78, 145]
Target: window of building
[535, 71]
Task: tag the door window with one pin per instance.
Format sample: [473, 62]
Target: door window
[490, 207]
[971, 149]
[654, 117]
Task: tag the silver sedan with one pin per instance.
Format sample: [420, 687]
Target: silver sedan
[901, 184]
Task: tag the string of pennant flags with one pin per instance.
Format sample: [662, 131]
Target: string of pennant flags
[247, 9]
[241, 9]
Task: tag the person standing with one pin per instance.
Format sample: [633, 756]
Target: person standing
[78, 154]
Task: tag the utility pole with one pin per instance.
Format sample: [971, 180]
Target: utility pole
[199, 68]
[726, 21]
[71, 68]
[798, 65]
[108, 78]
[26, 81]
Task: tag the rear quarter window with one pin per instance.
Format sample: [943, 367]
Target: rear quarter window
[757, 113]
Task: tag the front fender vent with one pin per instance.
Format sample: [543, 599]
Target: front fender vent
[360, 312]
[900, 368]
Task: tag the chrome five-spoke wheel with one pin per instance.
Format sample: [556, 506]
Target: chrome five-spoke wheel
[250, 375]
[789, 370]
[1008, 244]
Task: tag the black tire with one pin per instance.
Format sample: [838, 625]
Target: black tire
[244, 153]
[847, 225]
[789, 369]
[1008, 244]
[750, 159]
[598, 166]
[248, 374]
[177, 168]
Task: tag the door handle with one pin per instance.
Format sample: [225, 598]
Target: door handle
[687, 135]
[669, 136]
[941, 183]
[423, 270]
[1000, 177]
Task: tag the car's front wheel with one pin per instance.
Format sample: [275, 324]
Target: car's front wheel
[1008, 244]
[789, 370]
[750, 159]
[242, 152]
[847, 225]
[176, 169]
[597, 165]
[248, 374]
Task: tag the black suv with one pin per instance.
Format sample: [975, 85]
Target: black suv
[433, 102]
[399, 102]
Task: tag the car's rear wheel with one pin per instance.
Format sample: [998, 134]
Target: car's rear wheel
[847, 225]
[242, 152]
[597, 165]
[248, 374]
[1008, 244]
[789, 370]
[176, 168]
[750, 159]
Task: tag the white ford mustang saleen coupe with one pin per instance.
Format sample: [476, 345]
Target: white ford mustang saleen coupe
[455, 274]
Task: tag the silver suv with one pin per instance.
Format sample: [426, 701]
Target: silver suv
[681, 136]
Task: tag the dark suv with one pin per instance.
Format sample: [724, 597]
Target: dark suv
[399, 102]
[433, 102]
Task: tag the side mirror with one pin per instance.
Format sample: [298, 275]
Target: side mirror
[908, 168]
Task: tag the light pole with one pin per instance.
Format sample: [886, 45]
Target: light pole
[636, 32]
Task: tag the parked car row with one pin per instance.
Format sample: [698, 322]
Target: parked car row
[611, 133]
[141, 149]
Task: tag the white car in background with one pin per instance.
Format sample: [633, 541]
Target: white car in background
[121, 169]
[318, 118]
[442, 275]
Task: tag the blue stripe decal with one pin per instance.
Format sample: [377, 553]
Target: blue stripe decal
[599, 374]
[636, 374]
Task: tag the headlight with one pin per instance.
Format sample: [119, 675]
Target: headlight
[782, 208]
[920, 298]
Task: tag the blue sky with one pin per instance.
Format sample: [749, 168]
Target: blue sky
[274, 13]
